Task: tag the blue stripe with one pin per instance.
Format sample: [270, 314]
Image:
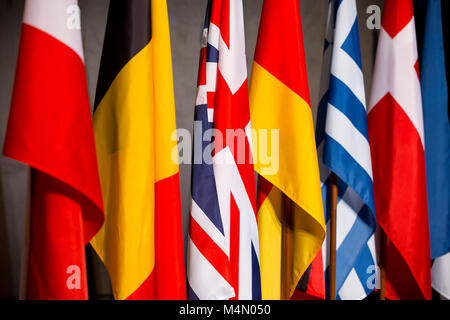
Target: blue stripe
[355, 240]
[212, 54]
[204, 191]
[190, 293]
[346, 168]
[351, 44]
[437, 130]
[365, 260]
[256, 276]
[208, 15]
[345, 100]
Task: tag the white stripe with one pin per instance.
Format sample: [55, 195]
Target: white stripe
[229, 181]
[440, 275]
[210, 114]
[347, 215]
[232, 60]
[211, 76]
[213, 35]
[340, 128]
[55, 17]
[347, 70]
[204, 279]
[201, 96]
[248, 132]
[352, 289]
[346, 15]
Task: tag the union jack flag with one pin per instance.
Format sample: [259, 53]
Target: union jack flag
[223, 246]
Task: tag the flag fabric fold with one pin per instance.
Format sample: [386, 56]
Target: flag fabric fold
[343, 148]
[50, 129]
[290, 212]
[398, 145]
[141, 242]
[437, 142]
[223, 245]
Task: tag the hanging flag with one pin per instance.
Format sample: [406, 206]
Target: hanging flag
[141, 242]
[290, 212]
[397, 143]
[223, 245]
[50, 129]
[437, 141]
[343, 148]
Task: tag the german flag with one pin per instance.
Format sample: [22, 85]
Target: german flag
[290, 211]
[141, 242]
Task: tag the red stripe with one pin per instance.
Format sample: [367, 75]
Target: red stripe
[400, 199]
[316, 283]
[210, 250]
[225, 21]
[201, 77]
[280, 48]
[147, 290]
[232, 112]
[50, 100]
[235, 227]
[50, 129]
[396, 15]
[56, 241]
[167, 280]
[169, 251]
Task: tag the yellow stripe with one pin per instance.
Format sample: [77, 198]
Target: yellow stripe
[275, 107]
[164, 103]
[133, 126]
[270, 222]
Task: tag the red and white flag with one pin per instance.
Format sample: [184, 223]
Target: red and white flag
[396, 137]
[223, 246]
[50, 129]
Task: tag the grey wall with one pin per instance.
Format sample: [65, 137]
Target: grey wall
[186, 20]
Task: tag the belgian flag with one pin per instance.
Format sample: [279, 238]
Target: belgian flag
[141, 241]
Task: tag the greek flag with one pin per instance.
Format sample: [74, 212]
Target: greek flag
[343, 148]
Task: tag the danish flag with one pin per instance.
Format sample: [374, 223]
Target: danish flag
[396, 136]
[223, 246]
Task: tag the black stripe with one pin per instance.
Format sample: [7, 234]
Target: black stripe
[304, 280]
[128, 31]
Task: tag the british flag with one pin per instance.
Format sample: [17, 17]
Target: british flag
[223, 246]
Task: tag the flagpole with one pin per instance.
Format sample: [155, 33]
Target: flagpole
[382, 264]
[287, 243]
[333, 218]
[26, 239]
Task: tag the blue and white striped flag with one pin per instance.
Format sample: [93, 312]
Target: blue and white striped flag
[343, 148]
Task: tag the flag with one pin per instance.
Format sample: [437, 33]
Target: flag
[343, 148]
[50, 129]
[437, 141]
[141, 242]
[397, 144]
[223, 245]
[290, 212]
